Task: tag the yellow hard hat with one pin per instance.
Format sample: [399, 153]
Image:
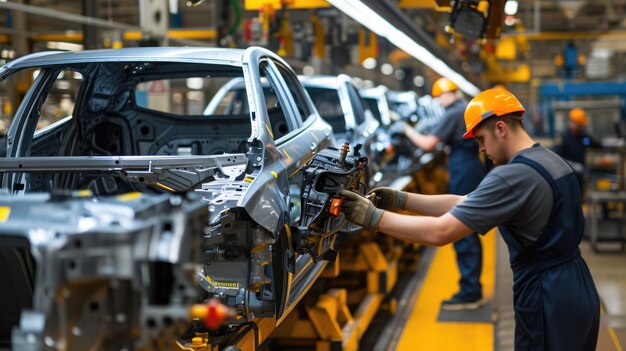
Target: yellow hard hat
[487, 104]
[578, 116]
[443, 85]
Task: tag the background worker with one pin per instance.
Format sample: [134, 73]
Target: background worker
[531, 195]
[465, 173]
[575, 141]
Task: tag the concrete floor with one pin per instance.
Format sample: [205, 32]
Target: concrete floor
[609, 273]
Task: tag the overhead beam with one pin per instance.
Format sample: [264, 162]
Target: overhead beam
[74, 36]
[566, 90]
[495, 19]
[568, 35]
[181, 36]
[63, 16]
[392, 14]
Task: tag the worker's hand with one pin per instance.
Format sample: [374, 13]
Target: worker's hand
[390, 199]
[360, 210]
[400, 127]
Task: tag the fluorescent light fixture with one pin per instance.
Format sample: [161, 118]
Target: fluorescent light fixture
[510, 7]
[418, 81]
[361, 13]
[369, 63]
[60, 45]
[308, 70]
[195, 83]
[386, 69]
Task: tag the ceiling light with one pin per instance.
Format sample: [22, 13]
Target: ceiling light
[195, 83]
[386, 69]
[374, 22]
[510, 21]
[60, 45]
[369, 63]
[400, 74]
[308, 70]
[418, 81]
[510, 8]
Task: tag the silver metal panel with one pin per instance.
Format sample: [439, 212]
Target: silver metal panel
[153, 54]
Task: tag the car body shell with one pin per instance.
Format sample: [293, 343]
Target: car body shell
[257, 183]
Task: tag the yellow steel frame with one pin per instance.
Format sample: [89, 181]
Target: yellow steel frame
[328, 321]
[247, 339]
[569, 35]
[253, 5]
[198, 34]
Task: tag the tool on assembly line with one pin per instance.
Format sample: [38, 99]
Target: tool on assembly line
[335, 204]
[330, 171]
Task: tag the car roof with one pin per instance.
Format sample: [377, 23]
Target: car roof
[144, 54]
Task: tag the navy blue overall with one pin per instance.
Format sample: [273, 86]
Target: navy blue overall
[466, 172]
[556, 302]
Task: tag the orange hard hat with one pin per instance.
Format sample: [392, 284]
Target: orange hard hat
[578, 116]
[489, 103]
[443, 85]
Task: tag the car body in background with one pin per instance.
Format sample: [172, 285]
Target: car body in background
[113, 123]
[338, 101]
[388, 142]
[421, 112]
[405, 103]
[335, 98]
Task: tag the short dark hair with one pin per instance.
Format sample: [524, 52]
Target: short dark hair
[512, 120]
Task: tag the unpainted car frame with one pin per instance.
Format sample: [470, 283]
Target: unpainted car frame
[113, 146]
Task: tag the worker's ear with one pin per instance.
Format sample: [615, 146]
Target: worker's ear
[501, 128]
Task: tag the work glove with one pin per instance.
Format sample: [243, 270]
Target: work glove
[400, 127]
[390, 199]
[360, 210]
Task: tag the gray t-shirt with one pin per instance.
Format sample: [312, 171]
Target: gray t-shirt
[451, 126]
[514, 195]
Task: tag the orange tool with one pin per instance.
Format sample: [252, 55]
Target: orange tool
[335, 206]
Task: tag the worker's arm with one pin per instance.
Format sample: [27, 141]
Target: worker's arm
[424, 142]
[432, 205]
[426, 230]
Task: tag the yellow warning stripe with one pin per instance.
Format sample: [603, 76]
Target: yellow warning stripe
[165, 187]
[129, 196]
[618, 345]
[441, 282]
[5, 212]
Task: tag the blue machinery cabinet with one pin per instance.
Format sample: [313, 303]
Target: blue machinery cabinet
[566, 91]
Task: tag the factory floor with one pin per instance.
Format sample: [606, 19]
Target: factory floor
[492, 326]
